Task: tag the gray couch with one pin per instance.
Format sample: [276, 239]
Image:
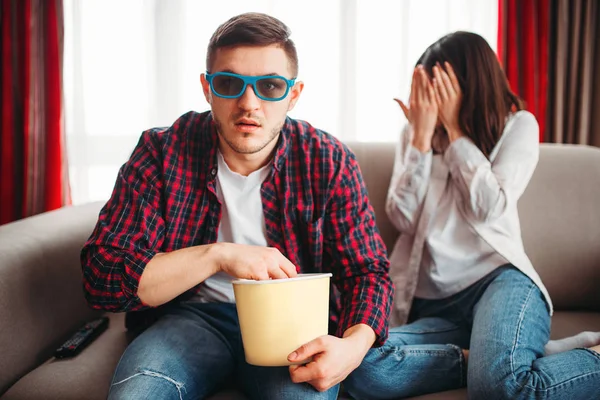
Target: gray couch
[42, 304]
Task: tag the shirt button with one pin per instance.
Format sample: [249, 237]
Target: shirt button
[213, 171]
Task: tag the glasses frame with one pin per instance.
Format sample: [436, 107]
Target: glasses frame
[250, 80]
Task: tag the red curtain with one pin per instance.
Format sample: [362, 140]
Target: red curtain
[523, 51]
[33, 173]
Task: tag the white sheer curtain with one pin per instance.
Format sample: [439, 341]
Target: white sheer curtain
[130, 65]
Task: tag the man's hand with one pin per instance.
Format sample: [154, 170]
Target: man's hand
[254, 262]
[333, 359]
[168, 275]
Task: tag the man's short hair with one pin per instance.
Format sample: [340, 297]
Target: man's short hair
[253, 29]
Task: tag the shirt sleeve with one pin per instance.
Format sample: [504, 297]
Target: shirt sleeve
[408, 185]
[488, 188]
[129, 231]
[354, 248]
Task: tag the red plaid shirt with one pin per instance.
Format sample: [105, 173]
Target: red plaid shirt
[315, 207]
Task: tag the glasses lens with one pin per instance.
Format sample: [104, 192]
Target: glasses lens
[227, 85]
[271, 88]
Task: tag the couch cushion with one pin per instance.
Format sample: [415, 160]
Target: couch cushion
[89, 373]
[568, 323]
[41, 301]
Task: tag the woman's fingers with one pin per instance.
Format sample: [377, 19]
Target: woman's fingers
[439, 83]
[447, 83]
[413, 85]
[453, 78]
[403, 107]
[430, 88]
[426, 85]
[436, 92]
[432, 94]
[420, 86]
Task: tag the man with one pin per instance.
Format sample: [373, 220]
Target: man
[241, 191]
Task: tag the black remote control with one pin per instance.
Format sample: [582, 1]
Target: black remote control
[82, 338]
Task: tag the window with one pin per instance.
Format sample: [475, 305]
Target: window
[134, 65]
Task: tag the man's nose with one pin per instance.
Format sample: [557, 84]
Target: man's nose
[248, 100]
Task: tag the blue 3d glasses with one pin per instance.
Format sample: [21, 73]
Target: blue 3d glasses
[267, 87]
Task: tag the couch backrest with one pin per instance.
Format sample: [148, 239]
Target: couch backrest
[560, 222]
[560, 216]
[376, 161]
[41, 295]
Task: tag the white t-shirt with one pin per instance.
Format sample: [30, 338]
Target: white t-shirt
[242, 222]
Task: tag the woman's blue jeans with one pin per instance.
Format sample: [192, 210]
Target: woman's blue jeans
[503, 320]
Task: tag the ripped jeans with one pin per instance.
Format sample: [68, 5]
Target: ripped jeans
[194, 350]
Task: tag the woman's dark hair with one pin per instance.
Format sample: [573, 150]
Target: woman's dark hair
[487, 99]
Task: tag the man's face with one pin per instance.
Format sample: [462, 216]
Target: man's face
[248, 124]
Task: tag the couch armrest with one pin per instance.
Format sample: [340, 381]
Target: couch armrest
[41, 295]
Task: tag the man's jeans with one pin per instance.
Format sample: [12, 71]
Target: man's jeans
[503, 319]
[194, 350]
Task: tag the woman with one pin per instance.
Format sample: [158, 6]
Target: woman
[459, 266]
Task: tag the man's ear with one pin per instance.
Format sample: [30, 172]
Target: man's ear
[295, 92]
[206, 89]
